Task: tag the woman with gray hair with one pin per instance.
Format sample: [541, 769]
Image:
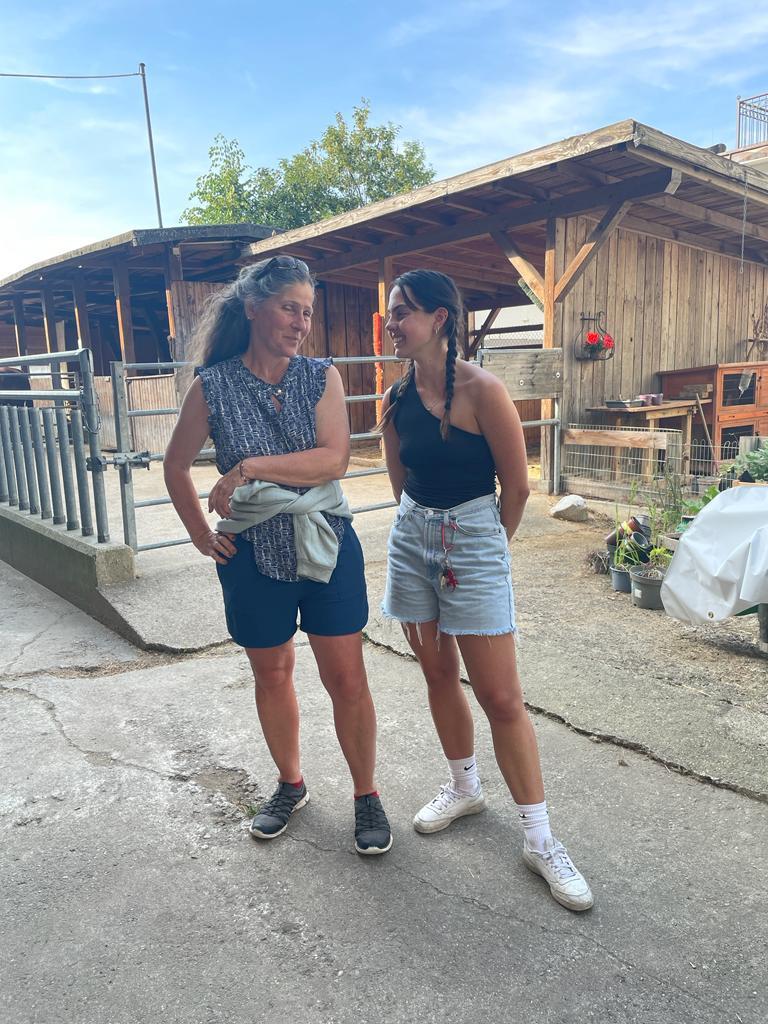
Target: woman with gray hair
[285, 548]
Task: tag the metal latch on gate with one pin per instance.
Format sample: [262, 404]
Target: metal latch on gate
[131, 459]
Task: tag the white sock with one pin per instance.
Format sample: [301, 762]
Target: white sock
[464, 775]
[536, 830]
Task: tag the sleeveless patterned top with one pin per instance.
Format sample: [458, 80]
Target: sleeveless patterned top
[244, 423]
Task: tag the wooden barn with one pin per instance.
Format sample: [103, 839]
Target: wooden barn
[668, 241]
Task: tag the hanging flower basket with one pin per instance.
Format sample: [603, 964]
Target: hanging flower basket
[593, 342]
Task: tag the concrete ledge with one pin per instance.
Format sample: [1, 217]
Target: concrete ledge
[70, 565]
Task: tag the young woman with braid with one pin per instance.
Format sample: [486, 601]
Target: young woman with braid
[450, 429]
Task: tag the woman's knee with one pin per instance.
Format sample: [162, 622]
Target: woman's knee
[272, 674]
[346, 686]
[502, 706]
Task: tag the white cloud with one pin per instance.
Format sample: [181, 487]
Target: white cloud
[501, 122]
[442, 17]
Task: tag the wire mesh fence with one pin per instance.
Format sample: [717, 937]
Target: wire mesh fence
[614, 462]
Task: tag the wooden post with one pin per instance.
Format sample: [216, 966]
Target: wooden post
[391, 372]
[81, 310]
[20, 326]
[172, 271]
[122, 285]
[49, 317]
[550, 283]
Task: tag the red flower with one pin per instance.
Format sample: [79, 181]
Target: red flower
[593, 338]
[608, 341]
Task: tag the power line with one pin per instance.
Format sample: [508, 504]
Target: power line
[13, 74]
[142, 74]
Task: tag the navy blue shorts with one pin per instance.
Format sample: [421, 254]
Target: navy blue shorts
[262, 612]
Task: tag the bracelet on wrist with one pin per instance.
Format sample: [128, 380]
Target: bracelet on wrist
[243, 477]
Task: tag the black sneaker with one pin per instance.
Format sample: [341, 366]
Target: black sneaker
[372, 832]
[273, 816]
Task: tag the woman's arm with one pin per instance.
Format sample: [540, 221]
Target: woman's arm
[395, 468]
[500, 424]
[328, 460]
[187, 439]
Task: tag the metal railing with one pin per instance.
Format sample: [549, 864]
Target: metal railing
[44, 468]
[752, 121]
[125, 459]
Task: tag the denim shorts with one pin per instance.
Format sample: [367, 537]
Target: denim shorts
[263, 612]
[482, 602]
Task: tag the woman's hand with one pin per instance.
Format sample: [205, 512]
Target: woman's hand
[218, 546]
[221, 492]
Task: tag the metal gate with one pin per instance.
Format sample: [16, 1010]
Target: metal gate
[529, 374]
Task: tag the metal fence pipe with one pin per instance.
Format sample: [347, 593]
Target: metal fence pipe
[81, 473]
[374, 508]
[365, 359]
[42, 358]
[92, 424]
[370, 436]
[37, 448]
[364, 472]
[164, 544]
[363, 398]
[155, 366]
[49, 429]
[10, 470]
[152, 412]
[62, 394]
[3, 477]
[556, 472]
[124, 444]
[18, 459]
[151, 502]
[62, 427]
[29, 461]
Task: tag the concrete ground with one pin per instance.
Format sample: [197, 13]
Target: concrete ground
[133, 895]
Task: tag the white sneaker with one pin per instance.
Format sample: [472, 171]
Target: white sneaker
[567, 885]
[447, 806]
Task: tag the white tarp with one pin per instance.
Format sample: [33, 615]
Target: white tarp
[720, 566]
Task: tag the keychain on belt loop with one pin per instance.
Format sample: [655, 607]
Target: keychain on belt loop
[447, 575]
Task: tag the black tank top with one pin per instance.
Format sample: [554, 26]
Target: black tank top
[439, 474]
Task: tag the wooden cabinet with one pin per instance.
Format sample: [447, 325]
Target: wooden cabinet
[739, 393]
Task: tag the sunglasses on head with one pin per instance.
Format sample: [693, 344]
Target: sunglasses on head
[281, 263]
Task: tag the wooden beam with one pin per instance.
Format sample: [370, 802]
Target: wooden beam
[122, 287]
[49, 317]
[548, 291]
[19, 326]
[656, 230]
[81, 309]
[478, 340]
[171, 273]
[598, 237]
[565, 206]
[700, 213]
[524, 267]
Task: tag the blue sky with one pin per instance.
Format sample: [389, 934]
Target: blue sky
[474, 80]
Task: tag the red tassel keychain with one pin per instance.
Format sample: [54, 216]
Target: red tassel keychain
[447, 575]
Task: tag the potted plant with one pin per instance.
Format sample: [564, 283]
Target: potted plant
[626, 555]
[748, 467]
[646, 579]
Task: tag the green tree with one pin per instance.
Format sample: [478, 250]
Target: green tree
[351, 165]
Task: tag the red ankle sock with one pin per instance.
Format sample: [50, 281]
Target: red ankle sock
[359, 796]
[296, 784]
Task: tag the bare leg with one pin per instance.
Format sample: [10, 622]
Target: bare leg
[447, 700]
[492, 669]
[342, 671]
[276, 705]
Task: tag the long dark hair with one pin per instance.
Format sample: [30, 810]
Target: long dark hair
[223, 331]
[430, 290]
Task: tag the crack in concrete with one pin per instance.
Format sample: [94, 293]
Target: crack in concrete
[617, 741]
[27, 644]
[508, 916]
